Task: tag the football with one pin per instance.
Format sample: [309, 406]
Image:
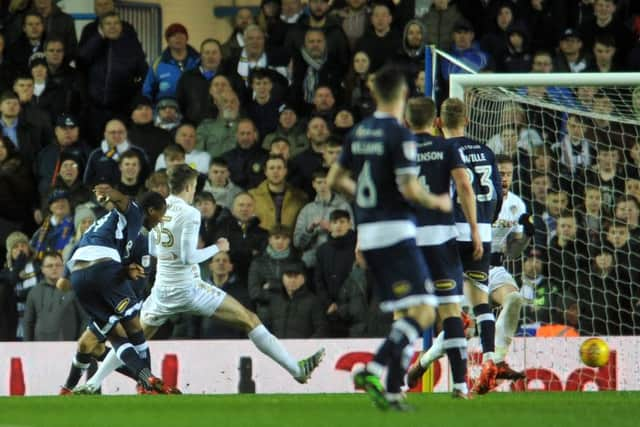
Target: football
[594, 352]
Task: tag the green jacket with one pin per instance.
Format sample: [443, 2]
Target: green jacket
[216, 136]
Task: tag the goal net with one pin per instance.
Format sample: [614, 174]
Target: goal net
[575, 142]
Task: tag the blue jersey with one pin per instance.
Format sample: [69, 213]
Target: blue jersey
[486, 182]
[377, 152]
[437, 158]
[111, 236]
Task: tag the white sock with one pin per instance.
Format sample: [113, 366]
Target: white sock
[108, 365]
[506, 324]
[435, 352]
[462, 387]
[269, 345]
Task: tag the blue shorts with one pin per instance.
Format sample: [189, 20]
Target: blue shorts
[105, 295]
[446, 271]
[402, 276]
[476, 271]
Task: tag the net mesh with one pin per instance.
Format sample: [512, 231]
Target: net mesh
[577, 158]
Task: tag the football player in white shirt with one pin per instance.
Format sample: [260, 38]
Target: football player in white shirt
[179, 289]
[511, 233]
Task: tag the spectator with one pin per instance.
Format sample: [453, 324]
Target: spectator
[219, 185]
[57, 228]
[69, 179]
[269, 20]
[277, 202]
[546, 20]
[6, 69]
[336, 41]
[158, 182]
[218, 136]
[46, 95]
[307, 162]
[505, 142]
[605, 174]
[324, 104]
[355, 19]
[496, 42]
[599, 291]
[574, 151]
[16, 189]
[570, 56]
[592, 215]
[192, 92]
[254, 55]
[222, 274]
[295, 312]
[25, 137]
[604, 21]
[465, 50]
[116, 65]
[163, 75]
[604, 50]
[342, 124]
[20, 275]
[143, 133]
[381, 40]
[565, 254]
[334, 263]
[235, 43]
[280, 147]
[246, 160]
[82, 220]
[60, 72]
[186, 138]
[356, 86]
[291, 12]
[536, 193]
[537, 288]
[289, 128]
[212, 215]
[30, 41]
[51, 314]
[103, 161]
[246, 238]
[39, 119]
[100, 9]
[130, 165]
[313, 225]
[57, 24]
[410, 57]
[557, 201]
[517, 57]
[263, 109]
[358, 306]
[440, 22]
[49, 161]
[606, 131]
[628, 211]
[168, 116]
[312, 68]
[265, 272]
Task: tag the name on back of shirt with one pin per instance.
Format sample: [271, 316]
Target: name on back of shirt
[474, 157]
[368, 148]
[430, 156]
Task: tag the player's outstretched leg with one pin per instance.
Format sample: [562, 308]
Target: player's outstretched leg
[88, 344]
[433, 353]
[506, 326]
[235, 314]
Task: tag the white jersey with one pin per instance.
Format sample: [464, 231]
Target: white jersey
[169, 241]
[512, 208]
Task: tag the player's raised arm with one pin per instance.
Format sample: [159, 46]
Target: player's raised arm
[106, 193]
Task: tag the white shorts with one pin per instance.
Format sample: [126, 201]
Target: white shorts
[499, 277]
[200, 298]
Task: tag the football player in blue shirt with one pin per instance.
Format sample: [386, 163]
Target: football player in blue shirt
[486, 182]
[378, 168]
[441, 162]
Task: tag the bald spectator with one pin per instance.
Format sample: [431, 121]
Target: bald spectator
[192, 92]
[246, 160]
[186, 138]
[103, 161]
[165, 71]
[218, 136]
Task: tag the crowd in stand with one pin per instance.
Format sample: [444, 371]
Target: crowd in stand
[262, 117]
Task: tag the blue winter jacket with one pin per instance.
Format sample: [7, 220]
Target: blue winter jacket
[164, 73]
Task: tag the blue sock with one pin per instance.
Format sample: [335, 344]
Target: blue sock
[455, 345]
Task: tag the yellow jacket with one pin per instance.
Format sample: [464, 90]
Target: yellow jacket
[294, 201]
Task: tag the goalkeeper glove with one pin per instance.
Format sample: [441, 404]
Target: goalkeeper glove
[526, 220]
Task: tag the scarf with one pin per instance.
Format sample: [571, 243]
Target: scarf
[572, 161]
[114, 152]
[53, 236]
[245, 66]
[312, 77]
[278, 255]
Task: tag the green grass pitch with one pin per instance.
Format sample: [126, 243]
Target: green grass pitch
[604, 409]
